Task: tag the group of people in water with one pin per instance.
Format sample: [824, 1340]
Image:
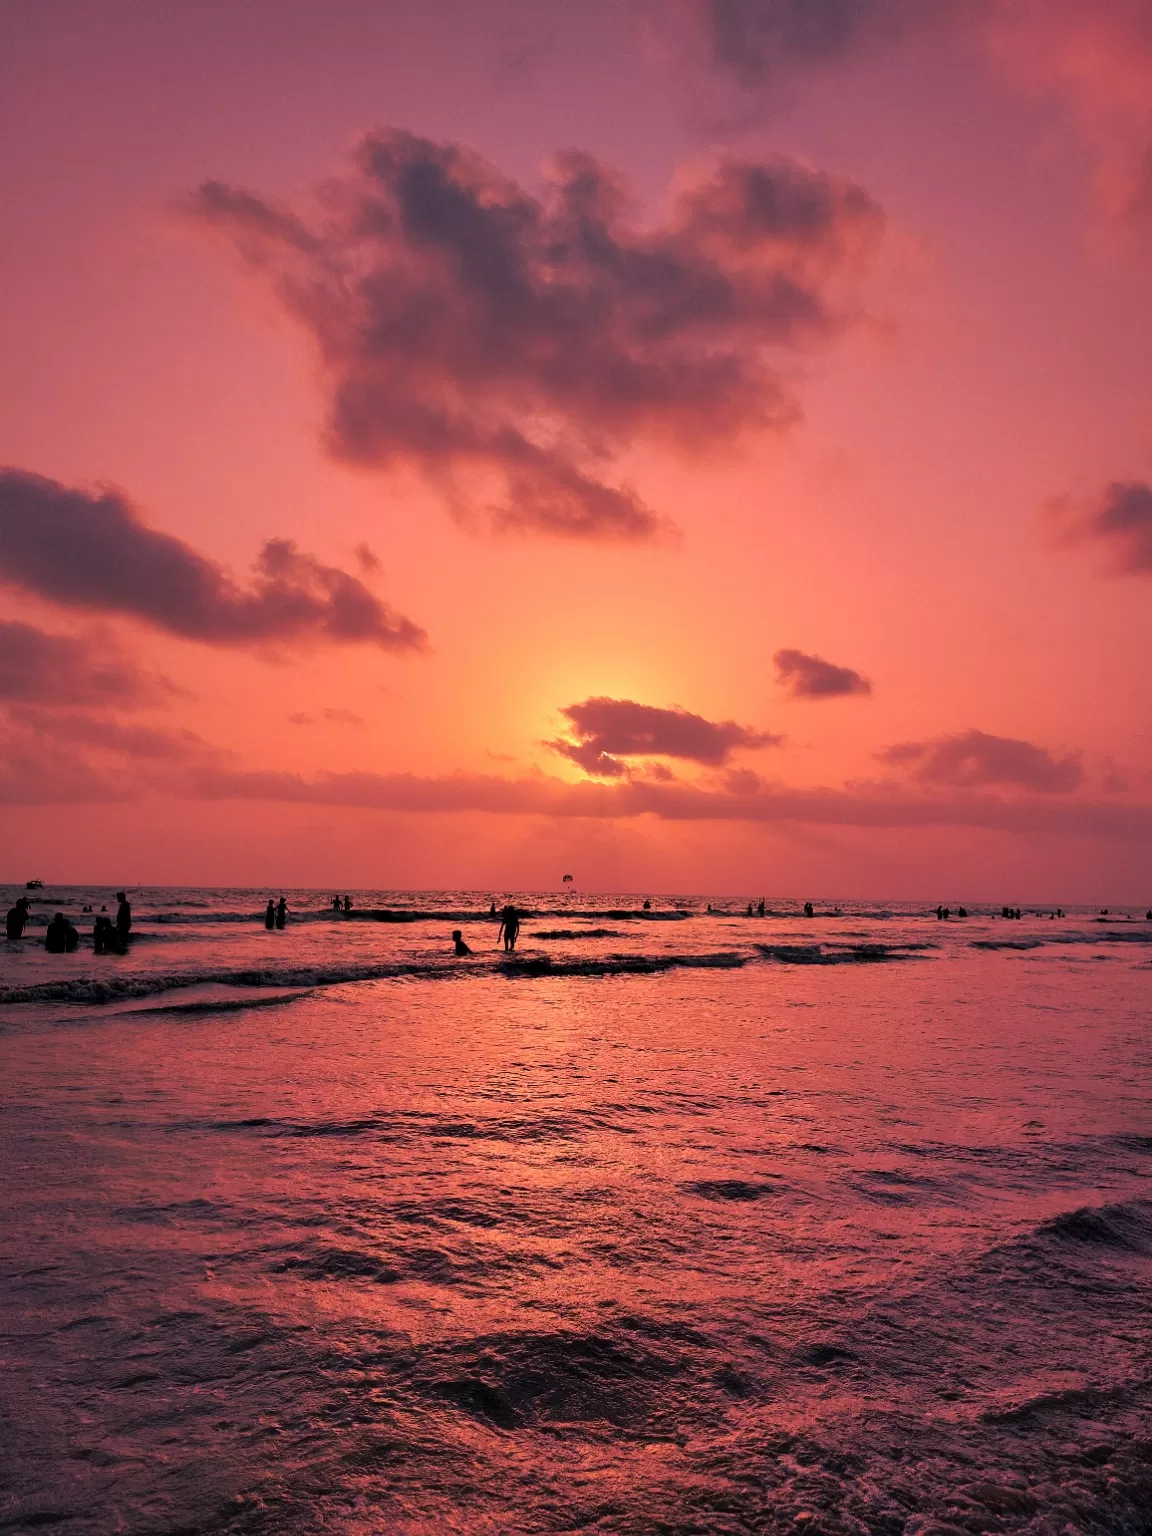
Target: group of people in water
[507, 933]
[62, 937]
[277, 914]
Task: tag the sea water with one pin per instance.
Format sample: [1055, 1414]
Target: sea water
[674, 1222]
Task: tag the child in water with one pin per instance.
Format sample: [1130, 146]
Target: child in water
[458, 941]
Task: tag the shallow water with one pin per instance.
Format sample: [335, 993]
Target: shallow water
[710, 1224]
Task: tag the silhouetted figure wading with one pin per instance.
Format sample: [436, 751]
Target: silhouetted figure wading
[17, 917]
[281, 912]
[509, 928]
[458, 941]
[61, 938]
[270, 916]
[123, 917]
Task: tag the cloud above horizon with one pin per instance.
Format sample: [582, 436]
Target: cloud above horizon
[811, 677]
[607, 731]
[91, 550]
[1119, 519]
[37, 667]
[509, 346]
[973, 760]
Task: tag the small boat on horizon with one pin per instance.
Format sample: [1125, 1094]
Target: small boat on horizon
[33, 885]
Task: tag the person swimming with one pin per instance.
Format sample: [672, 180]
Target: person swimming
[509, 929]
[458, 940]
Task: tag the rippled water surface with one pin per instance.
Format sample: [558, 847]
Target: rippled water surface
[676, 1223]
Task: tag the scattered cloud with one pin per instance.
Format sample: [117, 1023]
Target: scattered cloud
[300, 718]
[974, 759]
[740, 801]
[92, 550]
[811, 677]
[508, 345]
[344, 717]
[37, 667]
[609, 730]
[1119, 519]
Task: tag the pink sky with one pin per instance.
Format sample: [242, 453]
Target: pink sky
[588, 358]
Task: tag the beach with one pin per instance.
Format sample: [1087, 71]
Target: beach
[712, 1224]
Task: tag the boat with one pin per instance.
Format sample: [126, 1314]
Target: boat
[33, 885]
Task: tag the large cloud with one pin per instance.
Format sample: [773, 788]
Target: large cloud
[508, 346]
[811, 677]
[91, 550]
[608, 730]
[974, 759]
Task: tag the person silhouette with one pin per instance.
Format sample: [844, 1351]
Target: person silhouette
[123, 917]
[458, 941]
[60, 938]
[347, 903]
[17, 917]
[760, 907]
[509, 928]
[808, 910]
[492, 910]
[281, 912]
[335, 903]
[270, 915]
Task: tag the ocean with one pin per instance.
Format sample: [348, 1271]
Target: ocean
[676, 1222]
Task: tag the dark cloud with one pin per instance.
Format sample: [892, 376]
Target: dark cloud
[109, 735]
[41, 668]
[91, 550]
[508, 346]
[974, 759]
[763, 43]
[1120, 520]
[607, 730]
[811, 677]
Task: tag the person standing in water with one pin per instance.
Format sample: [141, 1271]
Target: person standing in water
[281, 912]
[458, 941]
[17, 917]
[509, 928]
[270, 915]
[123, 917]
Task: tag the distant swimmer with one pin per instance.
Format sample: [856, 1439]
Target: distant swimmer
[17, 917]
[760, 907]
[647, 905]
[61, 938]
[123, 917]
[708, 908]
[270, 916]
[347, 903]
[962, 911]
[492, 910]
[458, 940]
[509, 928]
[335, 903]
[808, 911]
[281, 912]
[749, 912]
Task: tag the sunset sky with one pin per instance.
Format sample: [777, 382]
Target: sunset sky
[701, 445]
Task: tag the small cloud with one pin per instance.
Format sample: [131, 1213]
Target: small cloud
[367, 558]
[1119, 520]
[607, 730]
[344, 717]
[974, 759]
[300, 718]
[811, 677]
